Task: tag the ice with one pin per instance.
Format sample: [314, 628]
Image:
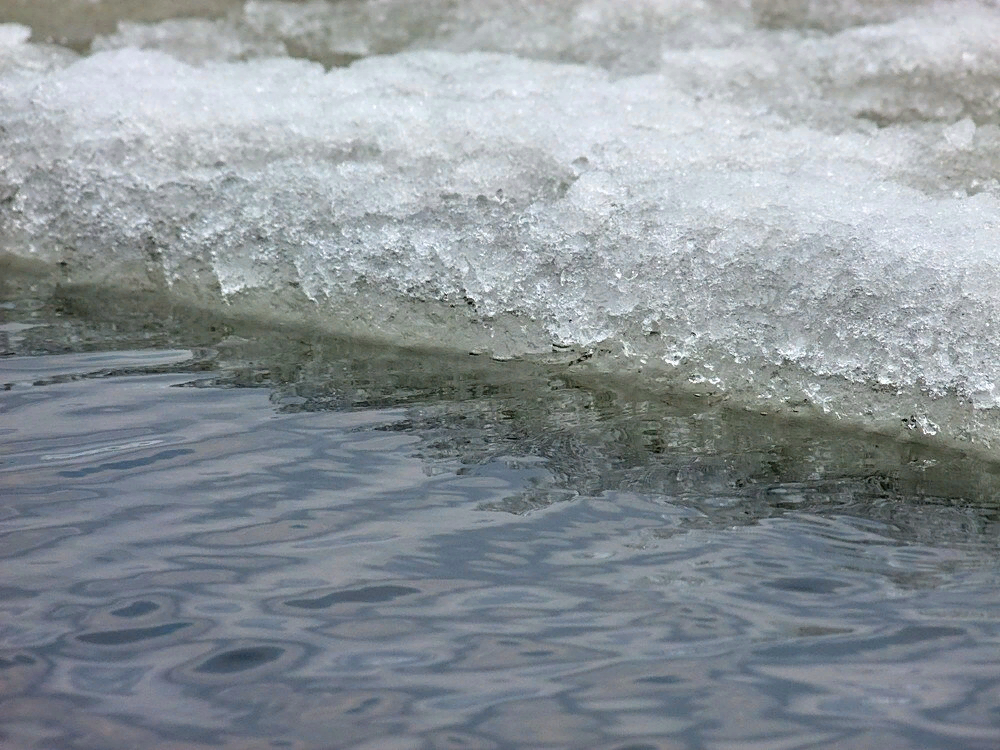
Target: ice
[828, 15]
[13, 35]
[74, 23]
[622, 37]
[16, 55]
[961, 135]
[792, 201]
[192, 40]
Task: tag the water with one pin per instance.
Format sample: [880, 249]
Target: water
[215, 534]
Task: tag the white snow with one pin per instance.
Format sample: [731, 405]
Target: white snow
[779, 197]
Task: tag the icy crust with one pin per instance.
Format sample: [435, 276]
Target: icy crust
[938, 62]
[736, 218]
[905, 61]
[16, 55]
[626, 37]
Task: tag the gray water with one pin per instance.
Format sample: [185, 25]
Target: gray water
[218, 535]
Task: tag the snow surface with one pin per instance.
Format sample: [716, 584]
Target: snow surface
[769, 198]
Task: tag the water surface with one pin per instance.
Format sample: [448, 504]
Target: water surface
[215, 535]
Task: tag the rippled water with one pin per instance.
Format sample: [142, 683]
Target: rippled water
[215, 535]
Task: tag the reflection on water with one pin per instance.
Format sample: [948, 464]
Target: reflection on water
[231, 539]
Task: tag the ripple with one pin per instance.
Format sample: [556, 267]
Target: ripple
[378, 660]
[135, 463]
[136, 609]
[236, 662]
[368, 595]
[240, 660]
[19, 670]
[107, 680]
[807, 585]
[133, 635]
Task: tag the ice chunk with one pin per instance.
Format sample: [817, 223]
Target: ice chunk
[16, 54]
[828, 15]
[624, 38]
[771, 211]
[961, 134]
[940, 66]
[13, 34]
[194, 41]
[74, 23]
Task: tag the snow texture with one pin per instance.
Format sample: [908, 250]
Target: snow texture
[770, 199]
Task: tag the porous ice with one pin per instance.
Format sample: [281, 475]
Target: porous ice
[770, 198]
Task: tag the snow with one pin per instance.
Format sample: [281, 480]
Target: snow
[773, 198]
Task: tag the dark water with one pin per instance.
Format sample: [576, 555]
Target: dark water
[215, 535]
